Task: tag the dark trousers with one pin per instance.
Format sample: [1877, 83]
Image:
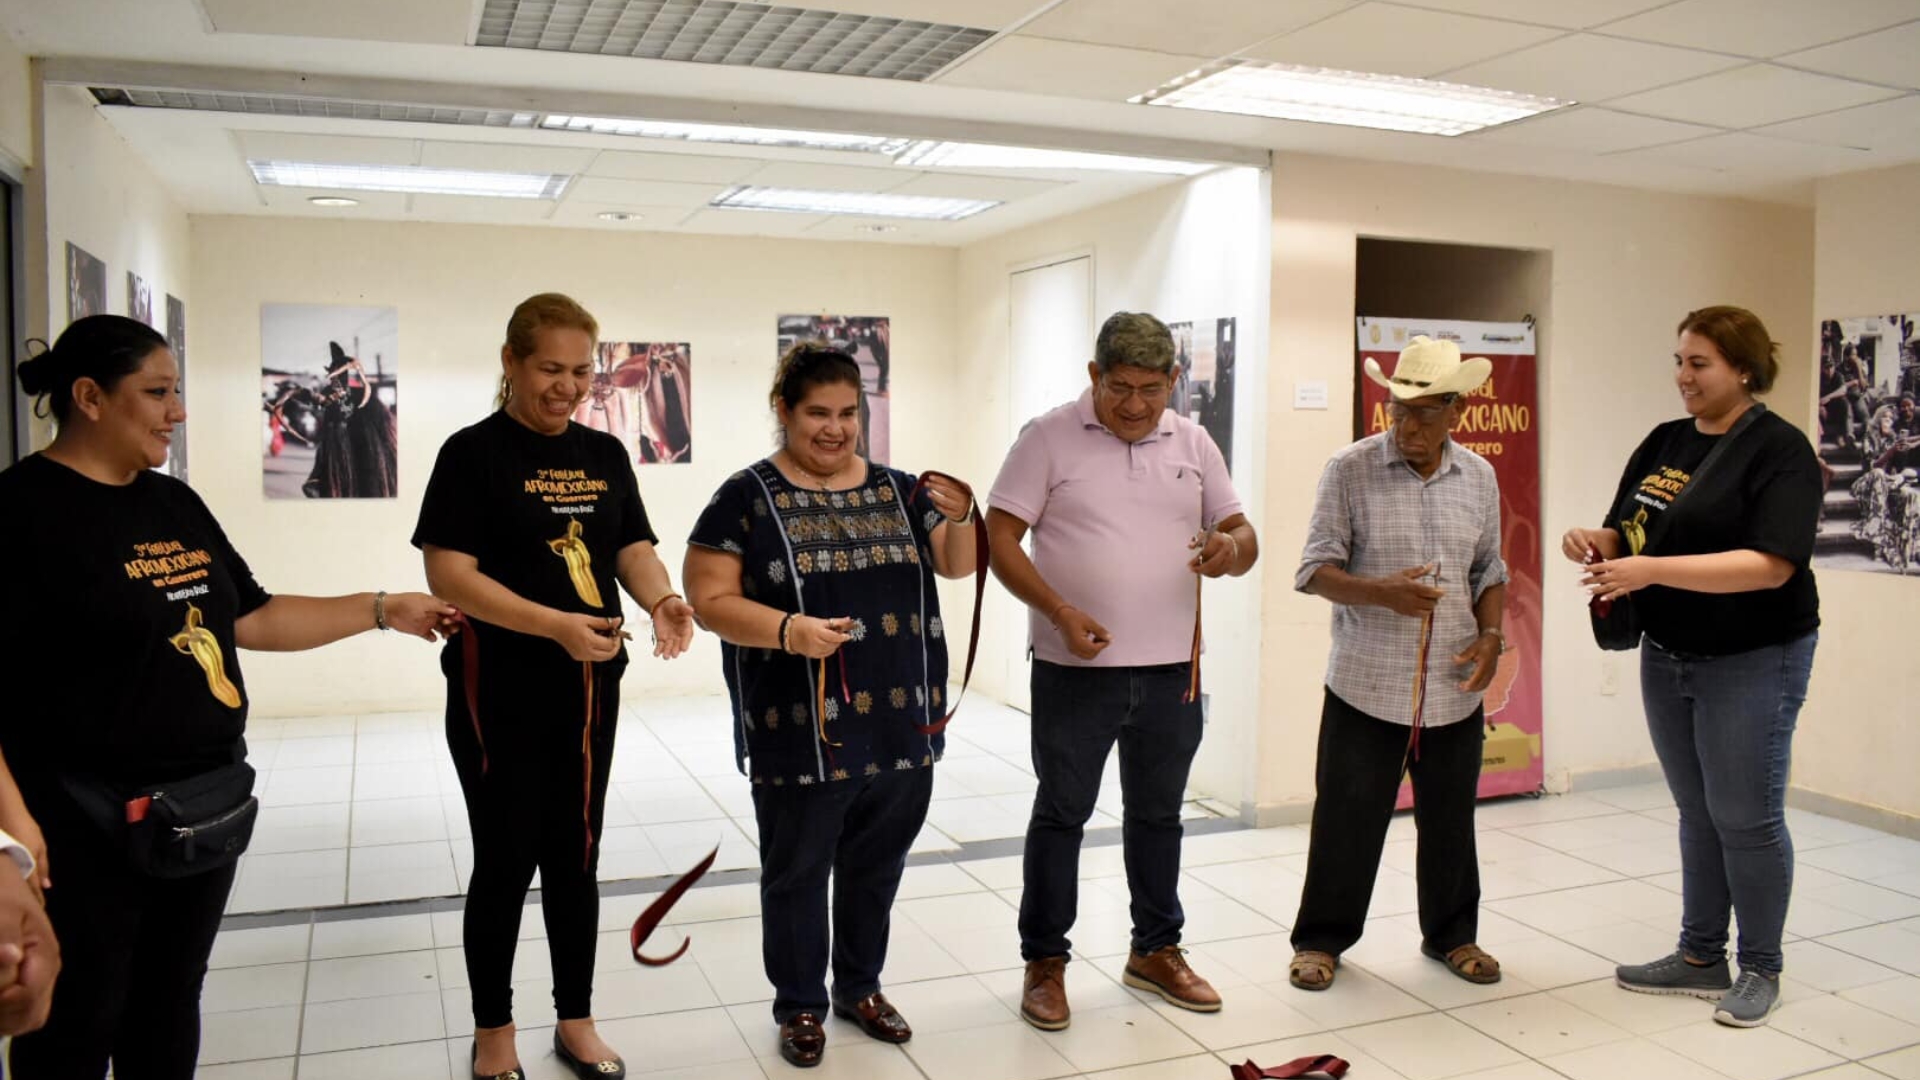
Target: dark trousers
[1079, 713]
[857, 832]
[133, 955]
[1355, 783]
[532, 808]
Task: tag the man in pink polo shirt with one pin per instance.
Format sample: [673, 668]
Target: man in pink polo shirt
[1127, 501]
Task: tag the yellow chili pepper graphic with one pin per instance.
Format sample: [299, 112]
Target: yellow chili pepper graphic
[1636, 531]
[579, 562]
[198, 642]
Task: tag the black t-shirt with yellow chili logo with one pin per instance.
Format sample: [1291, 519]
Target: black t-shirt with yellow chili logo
[1762, 494]
[546, 516]
[118, 632]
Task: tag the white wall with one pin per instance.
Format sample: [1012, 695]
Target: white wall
[1859, 735]
[1626, 266]
[16, 104]
[1193, 250]
[454, 287]
[94, 191]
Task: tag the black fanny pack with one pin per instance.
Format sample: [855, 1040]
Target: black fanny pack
[177, 829]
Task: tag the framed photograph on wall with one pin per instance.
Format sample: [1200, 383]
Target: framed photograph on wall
[177, 341]
[86, 283]
[329, 394]
[1869, 447]
[139, 298]
[869, 340]
[643, 395]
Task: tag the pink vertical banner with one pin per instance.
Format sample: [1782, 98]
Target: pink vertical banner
[1500, 423]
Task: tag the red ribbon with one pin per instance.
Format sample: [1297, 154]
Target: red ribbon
[649, 919]
[982, 560]
[1324, 1064]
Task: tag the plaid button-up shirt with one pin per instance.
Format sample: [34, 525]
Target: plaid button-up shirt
[1375, 516]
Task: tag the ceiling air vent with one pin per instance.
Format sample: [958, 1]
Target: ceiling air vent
[722, 32]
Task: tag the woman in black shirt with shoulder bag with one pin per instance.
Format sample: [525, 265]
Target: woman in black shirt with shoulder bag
[121, 627]
[1724, 593]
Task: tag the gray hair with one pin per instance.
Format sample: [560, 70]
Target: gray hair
[1134, 339]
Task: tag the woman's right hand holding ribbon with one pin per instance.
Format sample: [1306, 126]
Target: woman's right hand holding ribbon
[815, 638]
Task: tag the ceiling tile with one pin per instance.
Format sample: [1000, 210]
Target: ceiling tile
[884, 230]
[1397, 40]
[1884, 56]
[941, 185]
[605, 192]
[468, 208]
[986, 14]
[332, 149]
[1761, 28]
[1590, 68]
[1068, 69]
[752, 222]
[1756, 156]
[437, 22]
[1752, 95]
[1571, 14]
[586, 215]
[1885, 127]
[683, 168]
[1596, 131]
[505, 157]
[801, 174]
[1209, 28]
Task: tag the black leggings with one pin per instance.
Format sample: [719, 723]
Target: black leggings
[133, 955]
[528, 811]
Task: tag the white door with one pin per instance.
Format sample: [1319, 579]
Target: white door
[1050, 328]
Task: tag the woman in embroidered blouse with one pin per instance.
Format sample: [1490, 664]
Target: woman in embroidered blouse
[816, 569]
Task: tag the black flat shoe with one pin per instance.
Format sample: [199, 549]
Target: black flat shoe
[587, 1070]
[515, 1073]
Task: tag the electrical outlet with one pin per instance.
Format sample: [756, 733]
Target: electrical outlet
[1609, 676]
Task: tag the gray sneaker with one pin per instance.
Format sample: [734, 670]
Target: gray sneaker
[1673, 975]
[1753, 998]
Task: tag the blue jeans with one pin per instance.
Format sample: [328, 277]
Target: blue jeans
[855, 832]
[1723, 727]
[1078, 715]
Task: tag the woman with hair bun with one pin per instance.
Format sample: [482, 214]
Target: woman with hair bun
[122, 626]
[816, 568]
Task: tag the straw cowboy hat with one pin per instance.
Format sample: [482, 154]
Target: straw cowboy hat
[1429, 368]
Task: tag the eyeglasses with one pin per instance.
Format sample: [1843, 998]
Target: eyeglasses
[1148, 394]
[1421, 414]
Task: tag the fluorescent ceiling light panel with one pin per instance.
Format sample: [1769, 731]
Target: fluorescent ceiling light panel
[411, 179]
[927, 154]
[863, 203]
[1353, 98]
[723, 133]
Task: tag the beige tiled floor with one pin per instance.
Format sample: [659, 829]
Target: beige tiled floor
[365, 809]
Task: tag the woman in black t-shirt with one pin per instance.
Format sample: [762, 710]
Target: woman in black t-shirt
[1725, 596]
[533, 524]
[121, 628]
[816, 568]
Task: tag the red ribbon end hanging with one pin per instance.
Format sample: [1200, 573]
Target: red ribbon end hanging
[982, 548]
[649, 920]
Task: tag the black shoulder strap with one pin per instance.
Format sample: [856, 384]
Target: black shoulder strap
[1746, 421]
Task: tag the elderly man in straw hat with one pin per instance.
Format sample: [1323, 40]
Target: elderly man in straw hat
[1405, 541]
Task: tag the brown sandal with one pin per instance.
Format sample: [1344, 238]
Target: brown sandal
[1312, 962]
[1470, 962]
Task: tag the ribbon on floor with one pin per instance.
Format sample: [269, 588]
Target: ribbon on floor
[649, 920]
[1322, 1065]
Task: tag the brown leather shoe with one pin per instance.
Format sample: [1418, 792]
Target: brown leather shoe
[877, 1017]
[1043, 1001]
[1165, 972]
[803, 1040]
